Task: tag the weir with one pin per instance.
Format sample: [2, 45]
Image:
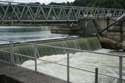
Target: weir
[69, 60]
[82, 63]
[79, 43]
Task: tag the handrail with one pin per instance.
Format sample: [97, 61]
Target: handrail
[78, 50]
[66, 52]
[62, 64]
[70, 49]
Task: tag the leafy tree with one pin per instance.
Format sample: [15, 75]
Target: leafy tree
[53, 3]
[81, 2]
[101, 3]
[108, 3]
[66, 4]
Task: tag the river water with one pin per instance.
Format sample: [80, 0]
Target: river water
[80, 62]
[26, 33]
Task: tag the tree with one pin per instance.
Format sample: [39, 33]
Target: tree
[108, 3]
[53, 3]
[101, 3]
[66, 4]
[81, 2]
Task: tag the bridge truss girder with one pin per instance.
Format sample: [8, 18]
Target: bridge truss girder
[21, 12]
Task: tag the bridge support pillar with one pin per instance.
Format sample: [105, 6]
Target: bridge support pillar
[87, 27]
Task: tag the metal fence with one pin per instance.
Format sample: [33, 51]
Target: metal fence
[18, 53]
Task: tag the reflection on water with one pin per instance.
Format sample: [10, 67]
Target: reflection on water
[26, 33]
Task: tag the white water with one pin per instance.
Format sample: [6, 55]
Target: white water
[107, 65]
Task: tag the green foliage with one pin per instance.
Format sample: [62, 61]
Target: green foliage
[92, 3]
[81, 2]
[101, 3]
[108, 3]
[64, 4]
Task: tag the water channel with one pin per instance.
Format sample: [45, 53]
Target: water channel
[83, 61]
[27, 33]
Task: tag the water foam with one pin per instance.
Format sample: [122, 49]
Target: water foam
[107, 65]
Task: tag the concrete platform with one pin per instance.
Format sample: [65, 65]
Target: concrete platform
[25, 75]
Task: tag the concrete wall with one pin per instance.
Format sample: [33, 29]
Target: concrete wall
[89, 27]
[85, 27]
[67, 29]
[6, 79]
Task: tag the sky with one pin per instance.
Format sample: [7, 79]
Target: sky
[41, 1]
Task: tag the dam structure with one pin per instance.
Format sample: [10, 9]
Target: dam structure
[79, 59]
[64, 61]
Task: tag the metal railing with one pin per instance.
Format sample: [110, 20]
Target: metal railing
[22, 12]
[9, 55]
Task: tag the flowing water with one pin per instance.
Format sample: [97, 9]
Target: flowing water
[81, 63]
[26, 33]
[52, 61]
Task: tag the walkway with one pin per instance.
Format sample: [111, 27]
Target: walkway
[26, 76]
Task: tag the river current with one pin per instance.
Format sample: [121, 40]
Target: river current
[26, 33]
[82, 64]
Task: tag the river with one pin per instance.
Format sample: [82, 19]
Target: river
[26, 33]
[80, 62]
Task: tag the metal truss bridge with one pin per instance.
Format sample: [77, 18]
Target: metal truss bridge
[13, 12]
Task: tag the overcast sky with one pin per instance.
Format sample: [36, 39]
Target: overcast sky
[41, 1]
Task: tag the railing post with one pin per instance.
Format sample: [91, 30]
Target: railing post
[11, 52]
[35, 55]
[68, 68]
[96, 75]
[120, 69]
[35, 60]
[34, 51]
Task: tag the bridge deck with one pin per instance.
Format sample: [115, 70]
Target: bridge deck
[26, 76]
